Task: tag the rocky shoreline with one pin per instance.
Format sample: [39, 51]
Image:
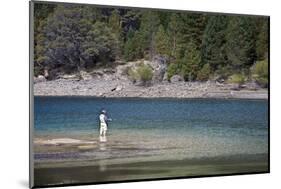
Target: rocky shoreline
[115, 82]
[124, 88]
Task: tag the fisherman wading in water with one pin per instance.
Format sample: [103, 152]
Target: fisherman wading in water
[103, 123]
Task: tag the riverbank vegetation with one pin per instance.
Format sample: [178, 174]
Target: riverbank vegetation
[196, 46]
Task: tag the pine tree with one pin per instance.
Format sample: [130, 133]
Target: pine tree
[262, 39]
[130, 21]
[173, 32]
[162, 42]
[213, 43]
[191, 28]
[240, 42]
[131, 47]
[114, 21]
[186, 33]
[204, 73]
[41, 13]
[164, 18]
[148, 28]
[190, 62]
[115, 25]
[39, 48]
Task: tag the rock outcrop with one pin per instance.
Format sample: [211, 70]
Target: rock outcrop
[176, 78]
[159, 65]
[40, 78]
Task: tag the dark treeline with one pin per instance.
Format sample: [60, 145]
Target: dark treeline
[197, 46]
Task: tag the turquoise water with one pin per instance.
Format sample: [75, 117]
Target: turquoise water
[186, 127]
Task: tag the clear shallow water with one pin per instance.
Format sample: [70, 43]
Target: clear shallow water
[166, 128]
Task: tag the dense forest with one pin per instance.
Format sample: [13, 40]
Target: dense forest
[197, 46]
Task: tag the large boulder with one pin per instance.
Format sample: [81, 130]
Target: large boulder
[117, 88]
[159, 65]
[68, 76]
[252, 86]
[46, 73]
[40, 78]
[176, 78]
[97, 74]
[85, 75]
[234, 86]
[165, 78]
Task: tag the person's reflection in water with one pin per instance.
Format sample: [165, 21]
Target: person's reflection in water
[102, 166]
[102, 144]
[103, 139]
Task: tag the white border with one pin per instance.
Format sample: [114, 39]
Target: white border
[14, 92]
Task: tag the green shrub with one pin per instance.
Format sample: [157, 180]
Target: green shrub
[132, 75]
[204, 73]
[144, 73]
[38, 71]
[224, 72]
[237, 78]
[172, 70]
[260, 73]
